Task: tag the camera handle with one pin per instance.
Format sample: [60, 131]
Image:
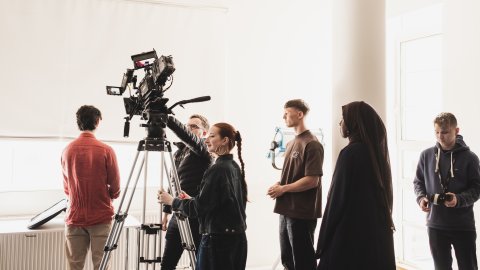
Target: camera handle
[133, 106]
[126, 127]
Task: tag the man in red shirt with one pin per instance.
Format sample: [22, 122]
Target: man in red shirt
[91, 182]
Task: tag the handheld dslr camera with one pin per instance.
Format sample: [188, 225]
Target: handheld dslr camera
[439, 198]
[147, 99]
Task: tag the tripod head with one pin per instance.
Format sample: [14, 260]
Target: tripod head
[157, 116]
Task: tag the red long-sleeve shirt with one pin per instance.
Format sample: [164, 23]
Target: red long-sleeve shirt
[91, 180]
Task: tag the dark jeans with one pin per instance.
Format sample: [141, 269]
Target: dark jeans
[222, 252]
[296, 243]
[173, 243]
[463, 242]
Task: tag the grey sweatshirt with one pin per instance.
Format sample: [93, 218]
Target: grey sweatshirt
[461, 167]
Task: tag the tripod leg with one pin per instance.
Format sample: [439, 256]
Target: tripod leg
[183, 224]
[174, 182]
[112, 241]
[187, 239]
[162, 173]
[120, 217]
[142, 217]
[148, 252]
[144, 245]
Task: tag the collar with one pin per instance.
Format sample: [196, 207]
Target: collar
[225, 157]
[305, 132]
[87, 134]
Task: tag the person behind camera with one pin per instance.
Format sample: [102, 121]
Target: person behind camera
[220, 204]
[191, 160]
[91, 182]
[447, 184]
[357, 226]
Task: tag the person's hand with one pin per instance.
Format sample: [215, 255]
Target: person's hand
[452, 202]
[164, 221]
[275, 191]
[424, 205]
[164, 197]
[184, 196]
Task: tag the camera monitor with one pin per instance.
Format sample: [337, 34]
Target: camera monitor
[140, 60]
[48, 214]
[118, 90]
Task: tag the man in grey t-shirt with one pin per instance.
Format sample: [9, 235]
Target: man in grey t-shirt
[299, 193]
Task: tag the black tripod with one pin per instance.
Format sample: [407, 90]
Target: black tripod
[148, 102]
[150, 235]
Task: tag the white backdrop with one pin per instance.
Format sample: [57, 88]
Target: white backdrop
[60, 54]
[265, 52]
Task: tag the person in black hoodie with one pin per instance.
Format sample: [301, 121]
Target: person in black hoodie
[357, 226]
[220, 204]
[191, 160]
[447, 184]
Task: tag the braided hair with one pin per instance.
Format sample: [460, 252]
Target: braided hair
[227, 130]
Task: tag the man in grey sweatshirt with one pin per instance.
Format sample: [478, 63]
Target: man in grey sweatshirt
[447, 184]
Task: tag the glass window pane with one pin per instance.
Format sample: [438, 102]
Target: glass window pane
[418, 251]
[409, 161]
[6, 165]
[27, 165]
[411, 210]
[421, 86]
[423, 53]
[36, 165]
[419, 96]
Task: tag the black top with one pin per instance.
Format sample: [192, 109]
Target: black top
[191, 159]
[355, 231]
[220, 205]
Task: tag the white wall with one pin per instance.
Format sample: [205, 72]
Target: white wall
[60, 55]
[461, 58]
[461, 73]
[396, 7]
[277, 50]
[462, 66]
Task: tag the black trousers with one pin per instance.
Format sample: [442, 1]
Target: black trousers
[296, 243]
[463, 242]
[222, 252]
[173, 243]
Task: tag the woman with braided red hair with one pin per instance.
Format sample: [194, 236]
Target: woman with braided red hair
[220, 205]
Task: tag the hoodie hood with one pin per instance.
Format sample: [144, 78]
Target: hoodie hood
[460, 146]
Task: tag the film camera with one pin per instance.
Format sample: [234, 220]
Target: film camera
[439, 198]
[147, 99]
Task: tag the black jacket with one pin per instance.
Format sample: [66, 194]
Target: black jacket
[220, 205]
[192, 158]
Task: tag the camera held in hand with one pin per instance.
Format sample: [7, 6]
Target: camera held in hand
[439, 198]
